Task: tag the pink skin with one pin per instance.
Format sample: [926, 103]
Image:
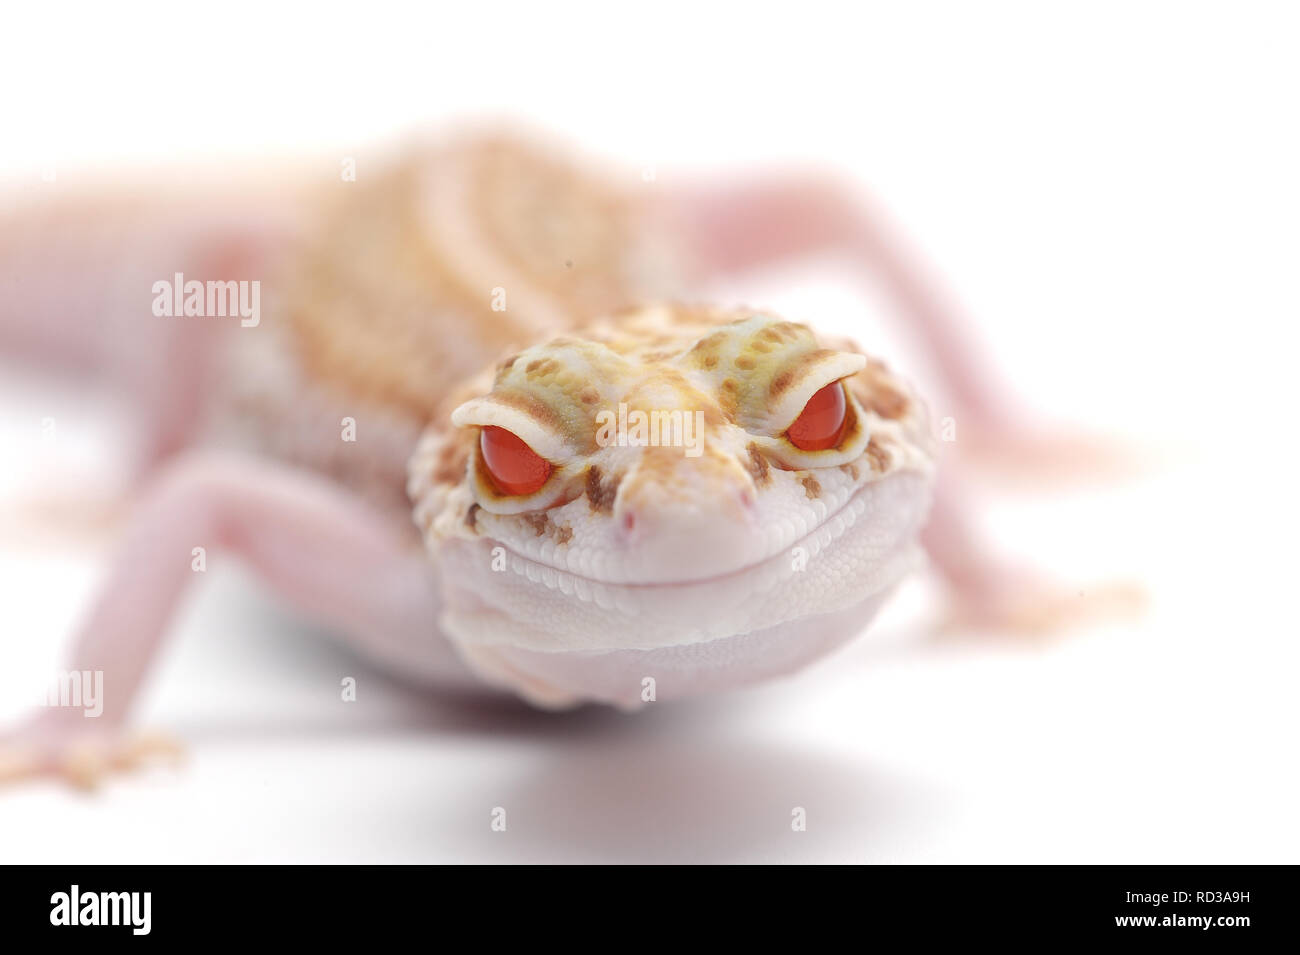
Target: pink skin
[74, 273]
[333, 557]
[358, 570]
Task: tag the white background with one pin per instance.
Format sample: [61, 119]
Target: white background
[1111, 191]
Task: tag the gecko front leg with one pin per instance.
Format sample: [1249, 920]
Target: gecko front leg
[332, 556]
[737, 227]
[988, 591]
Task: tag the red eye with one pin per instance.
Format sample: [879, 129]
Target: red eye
[821, 423]
[513, 466]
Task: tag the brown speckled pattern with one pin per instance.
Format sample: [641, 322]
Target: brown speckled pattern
[660, 357]
[386, 308]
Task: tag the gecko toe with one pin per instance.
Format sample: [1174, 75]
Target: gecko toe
[82, 760]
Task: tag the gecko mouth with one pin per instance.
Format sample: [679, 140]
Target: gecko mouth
[862, 549]
[816, 541]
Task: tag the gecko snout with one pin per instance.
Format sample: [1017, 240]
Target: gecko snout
[678, 519]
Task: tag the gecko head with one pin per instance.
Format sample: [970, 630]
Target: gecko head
[671, 500]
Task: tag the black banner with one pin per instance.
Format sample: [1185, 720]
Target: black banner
[1230, 905]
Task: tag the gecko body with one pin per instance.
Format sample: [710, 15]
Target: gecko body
[632, 561]
[402, 286]
[408, 446]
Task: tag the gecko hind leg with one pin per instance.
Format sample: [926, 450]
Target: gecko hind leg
[81, 301]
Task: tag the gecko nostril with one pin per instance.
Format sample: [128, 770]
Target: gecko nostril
[629, 522]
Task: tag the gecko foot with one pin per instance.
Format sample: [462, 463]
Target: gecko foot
[1022, 604]
[80, 757]
[66, 513]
